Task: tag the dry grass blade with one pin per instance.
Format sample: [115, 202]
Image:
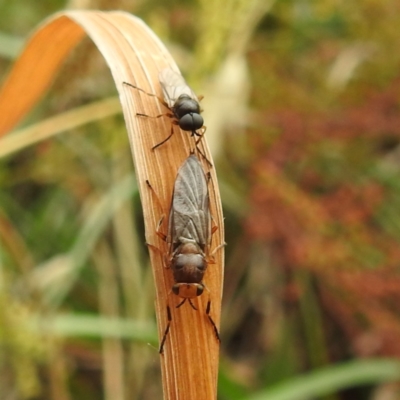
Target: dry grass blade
[58, 124]
[135, 55]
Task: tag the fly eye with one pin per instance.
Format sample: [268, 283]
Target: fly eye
[175, 289]
[179, 263]
[188, 290]
[202, 266]
[191, 122]
[200, 289]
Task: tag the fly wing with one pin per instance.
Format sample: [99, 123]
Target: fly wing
[174, 85]
[190, 216]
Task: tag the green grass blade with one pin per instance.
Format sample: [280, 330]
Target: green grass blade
[332, 379]
[72, 325]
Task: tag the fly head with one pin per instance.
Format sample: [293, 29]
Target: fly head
[187, 111]
[188, 290]
[188, 268]
[191, 122]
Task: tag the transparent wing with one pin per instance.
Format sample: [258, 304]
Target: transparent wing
[174, 85]
[190, 216]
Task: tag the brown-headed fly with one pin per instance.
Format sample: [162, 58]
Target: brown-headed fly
[189, 237]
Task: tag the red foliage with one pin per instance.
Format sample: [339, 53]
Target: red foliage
[320, 214]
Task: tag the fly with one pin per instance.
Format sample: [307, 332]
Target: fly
[183, 103]
[189, 237]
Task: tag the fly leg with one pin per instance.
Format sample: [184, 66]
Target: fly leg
[160, 234]
[156, 197]
[216, 332]
[169, 317]
[204, 156]
[168, 114]
[208, 309]
[199, 135]
[148, 94]
[190, 302]
[173, 122]
[210, 258]
[197, 141]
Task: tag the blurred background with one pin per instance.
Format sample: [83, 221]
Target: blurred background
[302, 108]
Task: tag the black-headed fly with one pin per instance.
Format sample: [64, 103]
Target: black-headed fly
[183, 103]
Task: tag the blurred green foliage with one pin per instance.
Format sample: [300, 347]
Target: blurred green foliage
[309, 175]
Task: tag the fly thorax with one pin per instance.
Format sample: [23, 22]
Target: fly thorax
[185, 105]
